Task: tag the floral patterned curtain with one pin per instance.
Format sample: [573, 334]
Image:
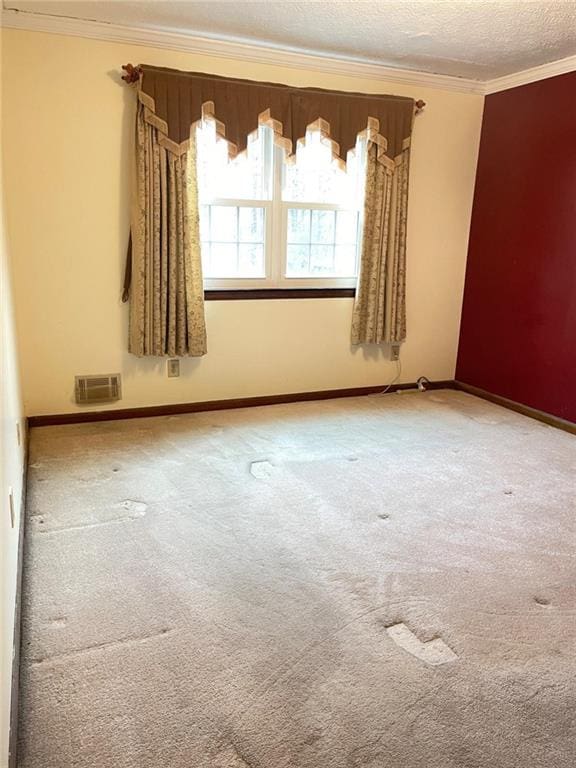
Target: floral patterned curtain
[165, 285]
[380, 307]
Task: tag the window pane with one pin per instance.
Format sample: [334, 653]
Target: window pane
[298, 225]
[321, 259]
[223, 223]
[251, 260]
[297, 260]
[322, 227]
[251, 225]
[205, 253]
[345, 260]
[248, 176]
[232, 241]
[223, 259]
[315, 177]
[321, 243]
[346, 227]
[204, 211]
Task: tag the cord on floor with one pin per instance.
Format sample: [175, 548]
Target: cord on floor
[394, 380]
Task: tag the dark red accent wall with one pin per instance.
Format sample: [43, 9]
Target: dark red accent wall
[518, 332]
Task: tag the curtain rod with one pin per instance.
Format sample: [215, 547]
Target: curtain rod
[132, 75]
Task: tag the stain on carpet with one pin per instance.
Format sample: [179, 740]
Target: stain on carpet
[433, 652]
[135, 508]
[541, 600]
[261, 469]
[99, 647]
[232, 757]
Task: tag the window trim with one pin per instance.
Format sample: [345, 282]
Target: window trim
[251, 294]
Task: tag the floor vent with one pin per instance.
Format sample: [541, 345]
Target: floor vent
[97, 389]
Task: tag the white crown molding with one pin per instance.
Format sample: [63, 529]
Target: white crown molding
[177, 41]
[532, 75]
[261, 54]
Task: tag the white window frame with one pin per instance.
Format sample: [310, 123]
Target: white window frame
[275, 238]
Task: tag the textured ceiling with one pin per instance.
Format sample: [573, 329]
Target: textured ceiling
[479, 39]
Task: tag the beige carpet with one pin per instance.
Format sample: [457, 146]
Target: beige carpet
[259, 589]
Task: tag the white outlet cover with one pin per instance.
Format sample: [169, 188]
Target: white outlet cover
[173, 367]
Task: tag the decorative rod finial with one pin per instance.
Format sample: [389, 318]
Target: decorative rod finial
[132, 73]
[419, 105]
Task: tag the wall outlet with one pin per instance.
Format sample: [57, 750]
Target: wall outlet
[12, 510]
[395, 352]
[173, 368]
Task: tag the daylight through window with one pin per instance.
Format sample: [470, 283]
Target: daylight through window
[268, 224]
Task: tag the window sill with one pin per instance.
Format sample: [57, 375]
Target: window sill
[227, 294]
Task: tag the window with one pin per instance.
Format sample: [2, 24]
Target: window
[268, 224]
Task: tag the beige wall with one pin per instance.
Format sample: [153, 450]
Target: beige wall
[67, 136]
[11, 475]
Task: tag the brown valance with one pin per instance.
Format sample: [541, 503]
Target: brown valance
[174, 101]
